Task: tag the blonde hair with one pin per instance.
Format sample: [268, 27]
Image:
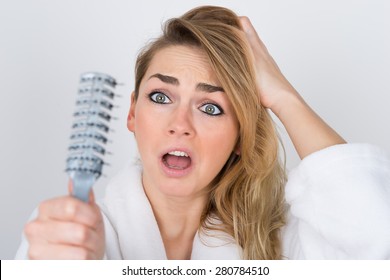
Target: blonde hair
[247, 196]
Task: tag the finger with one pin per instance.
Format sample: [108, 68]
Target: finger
[247, 27]
[92, 203]
[91, 197]
[42, 251]
[66, 233]
[251, 33]
[246, 24]
[70, 186]
[70, 209]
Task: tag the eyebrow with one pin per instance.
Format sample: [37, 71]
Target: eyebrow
[165, 79]
[174, 81]
[208, 88]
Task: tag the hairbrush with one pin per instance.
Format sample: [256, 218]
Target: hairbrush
[89, 131]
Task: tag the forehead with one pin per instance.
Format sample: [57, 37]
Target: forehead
[182, 62]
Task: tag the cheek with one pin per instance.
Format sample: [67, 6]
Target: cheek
[146, 129]
[147, 139]
[220, 141]
[146, 121]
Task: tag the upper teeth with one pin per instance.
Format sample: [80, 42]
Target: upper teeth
[178, 154]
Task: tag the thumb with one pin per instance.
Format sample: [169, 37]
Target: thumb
[70, 186]
[91, 197]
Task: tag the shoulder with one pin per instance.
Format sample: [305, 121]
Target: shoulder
[337, 196]
[344, 164]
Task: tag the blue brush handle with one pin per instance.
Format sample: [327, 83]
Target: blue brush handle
[82, 183]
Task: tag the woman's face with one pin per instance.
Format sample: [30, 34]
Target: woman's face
[184, 123]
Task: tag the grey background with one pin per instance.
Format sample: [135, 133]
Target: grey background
[336, 53]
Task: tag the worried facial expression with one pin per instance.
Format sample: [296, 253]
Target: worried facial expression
[183, 121]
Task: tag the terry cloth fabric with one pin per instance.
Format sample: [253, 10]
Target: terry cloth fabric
[339, 208]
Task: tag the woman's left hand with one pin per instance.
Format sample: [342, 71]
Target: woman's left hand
[273, 87]
[308, 132]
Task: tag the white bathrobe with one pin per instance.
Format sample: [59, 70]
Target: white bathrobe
[339, 201]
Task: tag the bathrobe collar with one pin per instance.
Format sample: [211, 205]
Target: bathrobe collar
[135, 232]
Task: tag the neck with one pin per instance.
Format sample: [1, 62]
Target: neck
[178, 219]
[177, 216]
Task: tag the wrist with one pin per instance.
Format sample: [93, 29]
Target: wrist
[288, 104]
[307, 131]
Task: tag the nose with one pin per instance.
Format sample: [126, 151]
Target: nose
[181, 123]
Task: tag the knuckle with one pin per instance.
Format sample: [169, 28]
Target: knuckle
[97, 218]
[31, 228]
[70, 208]
[82, 234]
[34, 252]
[42, 207]
[83, 254]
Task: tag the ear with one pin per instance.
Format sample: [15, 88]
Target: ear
[237, 149]
[131, 115]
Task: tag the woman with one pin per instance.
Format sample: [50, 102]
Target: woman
[209, 183]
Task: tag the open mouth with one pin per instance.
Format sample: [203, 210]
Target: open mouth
[177, 160]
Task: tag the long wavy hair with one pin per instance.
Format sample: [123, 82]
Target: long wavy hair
[247, 196]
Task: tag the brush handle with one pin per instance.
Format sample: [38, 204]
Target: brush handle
[82, 185]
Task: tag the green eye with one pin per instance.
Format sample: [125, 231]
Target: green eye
[211, 109]
[159, 97]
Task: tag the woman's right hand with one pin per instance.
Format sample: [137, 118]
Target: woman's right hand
[66, 228]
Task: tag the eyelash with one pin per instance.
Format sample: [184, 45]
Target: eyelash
[152, 95]
[221, 112]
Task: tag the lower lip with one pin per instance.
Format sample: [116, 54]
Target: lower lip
[175, 173]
